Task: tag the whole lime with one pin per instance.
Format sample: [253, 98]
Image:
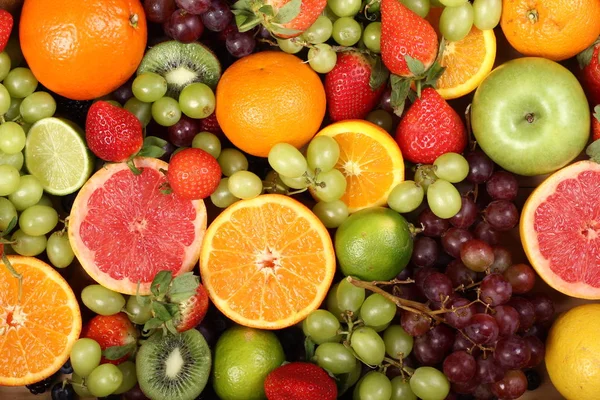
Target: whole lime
[243, 359]
[373, 244]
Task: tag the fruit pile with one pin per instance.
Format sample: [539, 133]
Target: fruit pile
[298, 199]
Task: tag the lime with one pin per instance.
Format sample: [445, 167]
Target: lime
[243, 359]
[56, 154]
[374, 244]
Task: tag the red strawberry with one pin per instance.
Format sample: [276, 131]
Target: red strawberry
[193, 310]
[589, 61]
[300, 381]
[113, 133]
[348, 86]
[6, 25]
[210, 124]
[596, 123]
[193, 174]
[404, 33]
[112, 330]
[429, 129]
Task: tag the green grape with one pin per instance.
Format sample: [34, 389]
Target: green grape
[138, 313]
[335, 358]
[14, 111]
[320, 31]
[377, 310]
[20, 82]
[4, 100]
[38, 220]
[287, 160]
[222, 197]
[4, 65]
[372, 37]
[114, 103]
[12, 138]
[15, 160]
[302, 182]
[141, 110]
[381, 118]
[129, 376]
[231, 161]
[451, 167]
[166, 111]
[85, 356]
[209, 142]
[197, 100]
[26, 126]
[13, 49]
[443, 199]
[329, 14]
[456, 22]
[26, 245]
[346, 381]
[322, 326]
[349, 297]
[36, 106]
[436, 3]
[9, 179]
[419, 7]
[401, 389]
[27, 194]
[149, 87]
[330, 186]
[322, 58]
[380, 328]
[104, 380]
[425, 176]
[45, 201]
[101, 300]
[79, 386]
[487, 13]
[59, 251]
[345, 8]
[323, 152]
[245, 185]
[406, 197]
[398, 343]
[452, 3]
[7, 213]
[346, 31]
[368, 345]
[273, 183]
[290, 46]
[331, 303]
[374, 386]
[332, 213]
[429, 383]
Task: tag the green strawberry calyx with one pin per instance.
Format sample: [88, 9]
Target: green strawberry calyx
[251, 13]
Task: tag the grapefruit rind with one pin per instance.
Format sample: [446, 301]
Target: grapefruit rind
[258, 203]
[86, 256]
[529, 237]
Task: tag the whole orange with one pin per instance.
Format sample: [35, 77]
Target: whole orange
[83, 49]
[268, 98]
[554, 29]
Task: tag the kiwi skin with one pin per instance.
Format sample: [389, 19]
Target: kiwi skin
[161, 351]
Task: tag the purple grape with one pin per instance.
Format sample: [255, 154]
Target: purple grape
[460, 366]
[264, 32]
[182, 133]
[453, 240]
[502, 260]
[521, 277]
[135, 394]
[484, 232]
[477, 255]
[185, 27]
[467, 214]
[507, 319]
[421, 274]
[415, 324]
[459, 274]
[431, 348]
[437, 286]
[425, 252]
[543, 306]
[525, 310]
[159, 11]
[217, 17]
[537, 350]
[502, 215]
[405, 273]
[465, 387]
[461, 317]
[484, 392]
[461, 342]
[123, 92]
[240, 44]
[512, 352]
[495, 290]
[538, 330]
[194, 6]
[386, 100]
[482, 329]
[488, 369]
[512, 386]
[481, 167]
[433, 226]
[502, 185]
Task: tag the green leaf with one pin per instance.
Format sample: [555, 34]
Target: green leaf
[593, 151]
[379, 73]
[152, 323]
[172, 309]
[241, 5]
[585, 57]
[161, 311]
[400, 90]
[267, 10]
[246, 23]
[154, 141]
[116, 352]
[182, 296]
[309, 347]
[171, 327]
[433, 74]
[161, 282]
[288, 12]
[184, 283]
[597, 112]
[10, 227]
[415, 66]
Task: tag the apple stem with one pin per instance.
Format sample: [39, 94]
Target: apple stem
[530, 117]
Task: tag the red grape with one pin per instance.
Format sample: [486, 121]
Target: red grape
[502, 215]
[543, 306]
[482, 329]
[194, 6]
[495, 290]
[481, 167]
[431, 348]
[460, 366]
[159, 11]
[123, 92]
[437, 286]
[182, 133]
[537, 350]
[217, 17]
[459, 274]
[466, 216]
[477, 255]
[526, 312]
[502, 185]
[483, 392]
[386, 101]
[502, 260]
[453, 240]
[465, 387]
[185, 27]
[461, 342]
[459, 318]
[425, 252]
[433, 226]
[240, 44]
[484, 231]
[521, 277]
[512, 352]
[507, 319]
[135, 393]
[512, 386]
[415, 324]
[488, 369]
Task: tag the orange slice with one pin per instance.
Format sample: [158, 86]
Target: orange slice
[38, 330]
[267, 262]
[370, 160]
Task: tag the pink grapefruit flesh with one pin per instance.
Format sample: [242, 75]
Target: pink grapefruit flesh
[124, 230]
[560, 230]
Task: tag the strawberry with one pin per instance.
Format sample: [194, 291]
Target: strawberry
[596, 123]
[429, 129]
[300, 381]
[193, 174]
[192, 310]
[6, 25]
[210, 124]
[113, 133]
[406, 37]
[354, 86]
[113, 331]
[589, 62]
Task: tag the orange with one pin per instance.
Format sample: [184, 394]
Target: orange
[267, 262]
[83, 49]
[38, 330]
[369, 159]
[553, 29]
[268, 98]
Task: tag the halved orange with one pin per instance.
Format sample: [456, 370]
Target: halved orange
[37, 330]
[267, 262]
[370, 159]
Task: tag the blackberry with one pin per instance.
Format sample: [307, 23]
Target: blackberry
[41, 386]
[67, 368]
[60, 392]
[74, 110]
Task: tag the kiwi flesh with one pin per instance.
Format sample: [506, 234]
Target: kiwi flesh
[181, 64]
[173, 367]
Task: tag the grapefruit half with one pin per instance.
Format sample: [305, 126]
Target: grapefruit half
[560, 230]
[124, 230]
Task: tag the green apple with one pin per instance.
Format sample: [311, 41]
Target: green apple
[530, 115]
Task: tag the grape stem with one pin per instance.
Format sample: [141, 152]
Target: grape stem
[398, 364]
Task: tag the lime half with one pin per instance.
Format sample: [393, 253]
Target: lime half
[57, 155]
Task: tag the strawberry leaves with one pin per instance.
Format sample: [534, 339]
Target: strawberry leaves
[251, 13]
[585, 57]
[400, 90]
[379, 73]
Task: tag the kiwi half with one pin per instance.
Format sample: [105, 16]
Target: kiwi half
[181, 64]
[173, 367]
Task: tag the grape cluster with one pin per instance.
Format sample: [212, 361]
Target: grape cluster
[459, 16]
